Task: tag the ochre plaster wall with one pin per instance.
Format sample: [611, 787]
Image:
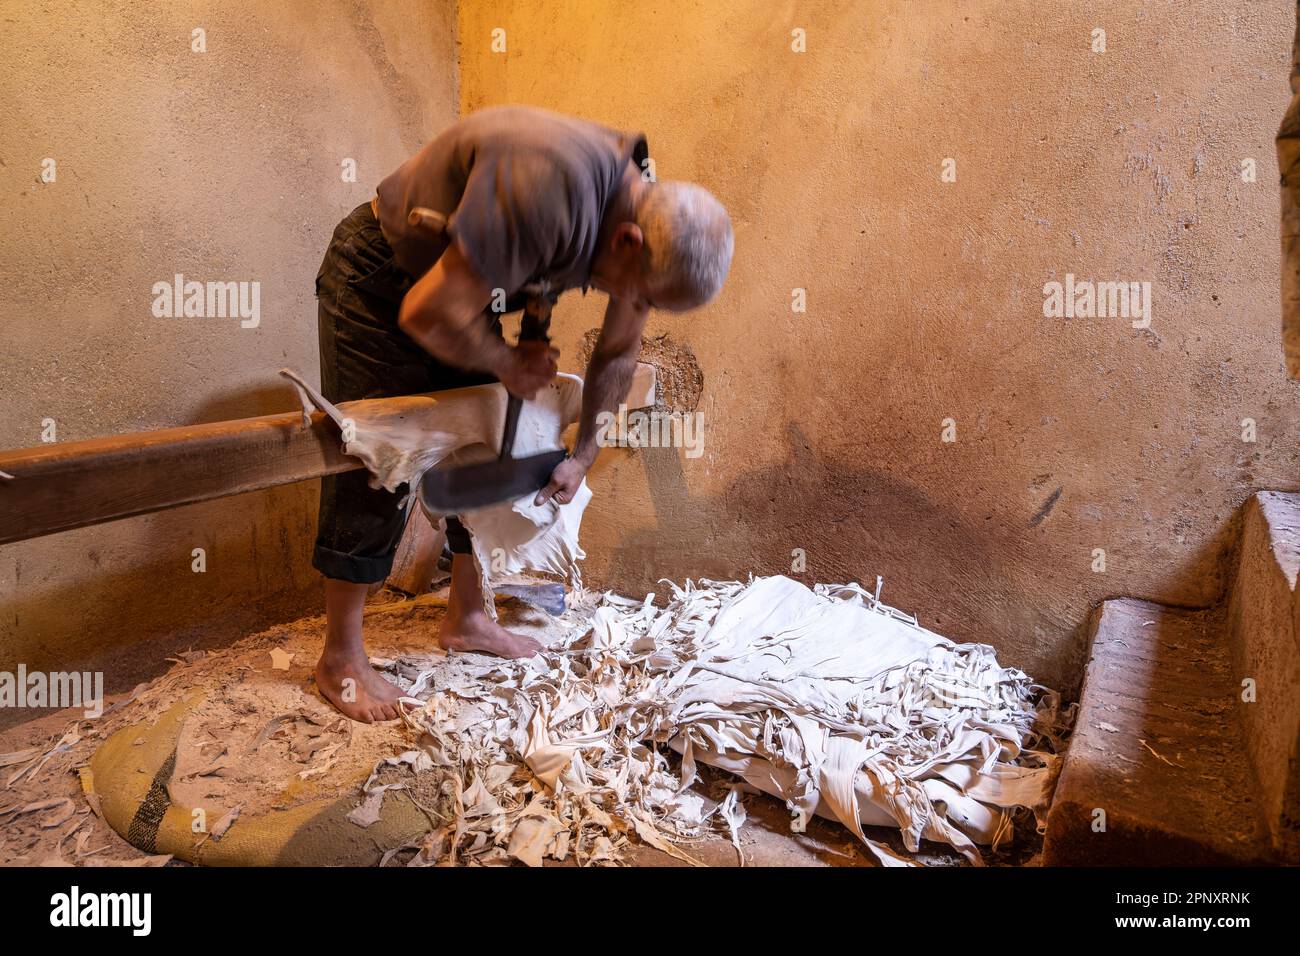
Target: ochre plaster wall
[224, 165]
[925, 298]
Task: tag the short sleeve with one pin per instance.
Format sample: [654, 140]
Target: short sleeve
[508, 224]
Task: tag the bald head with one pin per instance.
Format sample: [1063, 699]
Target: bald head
[687, 240]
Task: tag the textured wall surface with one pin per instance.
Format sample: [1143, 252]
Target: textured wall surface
[925, 298]
[224, 165]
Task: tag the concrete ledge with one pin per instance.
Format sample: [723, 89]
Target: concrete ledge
[1264, 628]
[1157, 757]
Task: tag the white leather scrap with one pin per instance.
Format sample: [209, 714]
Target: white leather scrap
[399, 438]
[823, 698]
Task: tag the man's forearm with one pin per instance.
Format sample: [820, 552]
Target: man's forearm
[472, 346]
[443, 313]
[609, 376]
[610, 371]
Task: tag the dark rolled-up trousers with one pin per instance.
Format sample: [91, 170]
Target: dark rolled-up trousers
[364, 354]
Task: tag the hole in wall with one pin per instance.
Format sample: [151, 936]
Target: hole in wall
[679, 380]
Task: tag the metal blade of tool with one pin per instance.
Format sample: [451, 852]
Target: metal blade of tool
[452, 490]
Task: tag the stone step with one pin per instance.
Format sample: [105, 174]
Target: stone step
[1157, 771]
[1264, 640]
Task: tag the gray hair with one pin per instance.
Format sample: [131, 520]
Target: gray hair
[688, 238]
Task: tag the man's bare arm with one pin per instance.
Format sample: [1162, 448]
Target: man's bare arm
[444, 313]
[609, 375]
[610, 371]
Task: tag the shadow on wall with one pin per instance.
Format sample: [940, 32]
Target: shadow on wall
[856, 523]
[784, 506]
[249, 403]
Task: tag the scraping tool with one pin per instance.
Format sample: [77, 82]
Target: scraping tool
[453, 490]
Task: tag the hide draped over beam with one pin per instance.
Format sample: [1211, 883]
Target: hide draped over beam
[65, 485]
[399, 438]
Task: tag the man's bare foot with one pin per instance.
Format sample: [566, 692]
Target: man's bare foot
[352, 686]
[478, 632]
[343, 673]
[467, 626]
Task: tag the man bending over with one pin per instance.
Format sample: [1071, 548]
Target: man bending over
[532, 199]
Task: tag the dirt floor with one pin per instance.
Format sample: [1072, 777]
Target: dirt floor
[263, 738]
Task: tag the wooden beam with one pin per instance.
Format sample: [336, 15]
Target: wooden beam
[61, 486]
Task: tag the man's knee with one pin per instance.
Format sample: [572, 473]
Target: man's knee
[358, 529]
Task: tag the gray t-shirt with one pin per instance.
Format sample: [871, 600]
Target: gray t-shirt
[525, 191]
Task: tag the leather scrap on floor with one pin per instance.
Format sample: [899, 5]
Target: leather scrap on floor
[824, 698]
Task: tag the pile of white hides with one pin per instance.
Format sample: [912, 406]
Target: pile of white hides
[826, 699]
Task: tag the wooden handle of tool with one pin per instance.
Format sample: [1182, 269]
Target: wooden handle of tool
[534, 326]
[513, 406]
[426, 218]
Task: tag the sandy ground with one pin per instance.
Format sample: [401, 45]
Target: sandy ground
[264, 738]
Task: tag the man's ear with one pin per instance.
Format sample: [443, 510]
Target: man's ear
[628, 238]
